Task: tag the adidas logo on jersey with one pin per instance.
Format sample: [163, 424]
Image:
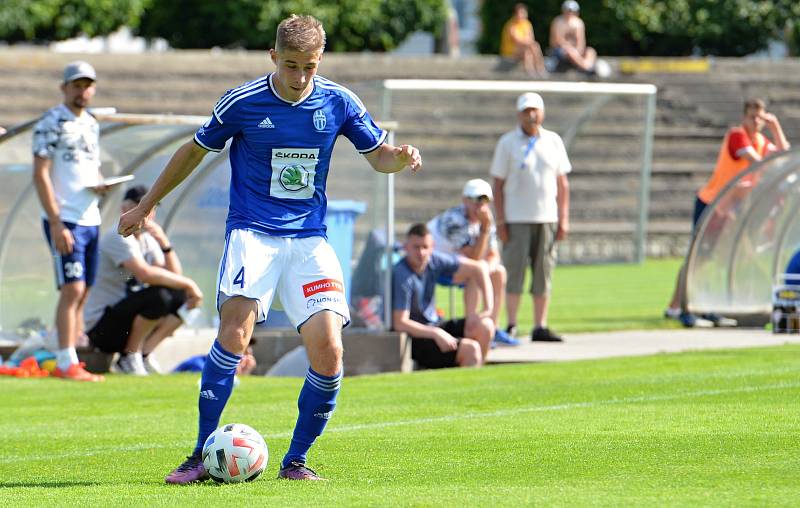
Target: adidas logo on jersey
[266, 124]
[208, 394]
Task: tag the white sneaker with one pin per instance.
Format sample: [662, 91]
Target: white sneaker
[151, 365]
[131, 364]
[602, 69]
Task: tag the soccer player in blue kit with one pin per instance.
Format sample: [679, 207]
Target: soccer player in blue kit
[283, 128]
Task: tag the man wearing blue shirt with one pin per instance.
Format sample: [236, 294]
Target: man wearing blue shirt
[283, 127]
[436, 343]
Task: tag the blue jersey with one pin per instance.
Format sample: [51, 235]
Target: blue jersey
[281, 152]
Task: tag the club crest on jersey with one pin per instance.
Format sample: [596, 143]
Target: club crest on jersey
[294, 178]
[319, 120]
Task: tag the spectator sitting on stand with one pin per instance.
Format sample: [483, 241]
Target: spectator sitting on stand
[568, 42]
[518, 43]
[469, 230]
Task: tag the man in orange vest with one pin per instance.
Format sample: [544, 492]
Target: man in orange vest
[742, 145]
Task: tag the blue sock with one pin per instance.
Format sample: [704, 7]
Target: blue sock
[216, 386]
[316, 404]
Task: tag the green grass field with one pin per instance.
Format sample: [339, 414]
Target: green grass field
[594, 298]
[701, 429]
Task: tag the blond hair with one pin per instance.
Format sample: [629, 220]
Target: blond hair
[300, 33]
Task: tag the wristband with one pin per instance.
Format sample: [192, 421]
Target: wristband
[166, 250]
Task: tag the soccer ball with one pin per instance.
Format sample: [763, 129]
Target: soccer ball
[235, 453]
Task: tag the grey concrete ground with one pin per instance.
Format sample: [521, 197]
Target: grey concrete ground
[583, 346]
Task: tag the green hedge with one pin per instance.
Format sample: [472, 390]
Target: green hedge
[46, 20]
[658, 28]
[351, 25]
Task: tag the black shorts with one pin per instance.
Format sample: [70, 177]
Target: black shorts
[427, 353]
[110, 334]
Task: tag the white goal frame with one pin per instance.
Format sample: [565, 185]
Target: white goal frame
[647, 91]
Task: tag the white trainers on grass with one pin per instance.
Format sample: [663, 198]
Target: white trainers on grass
[132, 364]
[151, 365]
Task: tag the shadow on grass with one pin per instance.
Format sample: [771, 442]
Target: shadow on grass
[46, 485]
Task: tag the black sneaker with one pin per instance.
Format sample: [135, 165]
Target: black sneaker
[545, 335]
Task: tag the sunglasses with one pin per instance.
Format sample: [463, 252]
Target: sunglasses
[480, 200]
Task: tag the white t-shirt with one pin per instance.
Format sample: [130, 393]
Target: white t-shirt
[452, 231]
[530, 167]
[72, 144]
[112, 279]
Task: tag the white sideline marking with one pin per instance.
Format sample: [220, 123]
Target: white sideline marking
[558, 407]
[435, 419]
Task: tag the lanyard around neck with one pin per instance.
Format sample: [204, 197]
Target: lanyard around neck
[528, 149]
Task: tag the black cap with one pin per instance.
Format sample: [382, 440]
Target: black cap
[135, 193]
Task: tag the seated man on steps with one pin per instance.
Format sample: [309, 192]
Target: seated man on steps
[140, 289]
[435, 343]
[568, 43]
[469, 230]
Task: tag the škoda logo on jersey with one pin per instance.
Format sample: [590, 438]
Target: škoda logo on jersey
[322, 285]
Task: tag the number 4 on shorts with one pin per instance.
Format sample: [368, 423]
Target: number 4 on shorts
[239, 279]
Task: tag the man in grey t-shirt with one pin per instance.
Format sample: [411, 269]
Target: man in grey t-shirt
[139, 290]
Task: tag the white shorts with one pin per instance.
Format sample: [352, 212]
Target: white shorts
[304, 273]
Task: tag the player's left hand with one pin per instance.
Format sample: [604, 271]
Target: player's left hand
[409, 155]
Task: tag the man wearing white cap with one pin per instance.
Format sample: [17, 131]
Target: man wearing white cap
[531, 201]
[66, 173]
[568, 40]
[469, 230]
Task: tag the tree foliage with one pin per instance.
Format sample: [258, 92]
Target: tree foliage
[26, 20]
[655, 27]
[351, 25]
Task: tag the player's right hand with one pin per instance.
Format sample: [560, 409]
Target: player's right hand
[62, 237]
[445, 341]
[133, 220]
